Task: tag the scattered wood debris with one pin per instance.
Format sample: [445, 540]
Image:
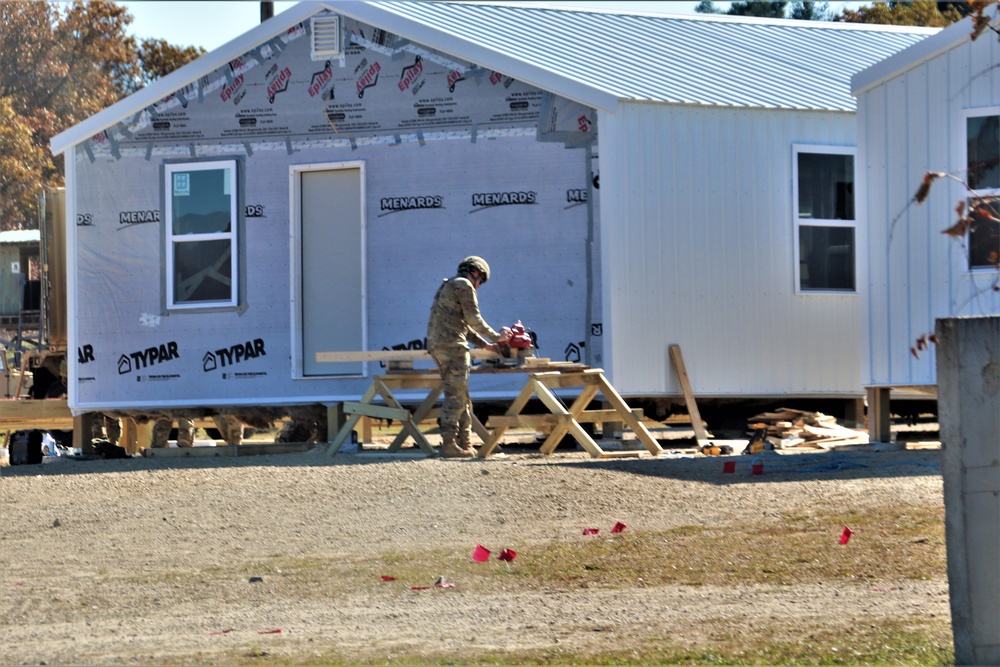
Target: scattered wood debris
[789, 428]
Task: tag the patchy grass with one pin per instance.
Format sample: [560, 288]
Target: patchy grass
[784, 550]
[892, 643]
[904, 543]
[888, 545]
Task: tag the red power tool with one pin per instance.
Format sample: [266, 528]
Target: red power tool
[518, 346]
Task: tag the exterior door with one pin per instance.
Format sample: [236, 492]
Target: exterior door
[332, 261]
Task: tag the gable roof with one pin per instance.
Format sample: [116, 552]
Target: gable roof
[912, 56]
[698, 59]
[595, 57]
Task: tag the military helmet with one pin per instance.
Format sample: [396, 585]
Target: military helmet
[475, 264]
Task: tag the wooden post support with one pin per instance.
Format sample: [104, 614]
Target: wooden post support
[83, 426]
[879, 419]
[129, 439]
[692, 407]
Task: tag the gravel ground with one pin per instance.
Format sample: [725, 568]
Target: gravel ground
[151, 558]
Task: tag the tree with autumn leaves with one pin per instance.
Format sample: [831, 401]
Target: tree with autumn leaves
[61, 63]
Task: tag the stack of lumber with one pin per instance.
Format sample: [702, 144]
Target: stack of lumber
[787, 427]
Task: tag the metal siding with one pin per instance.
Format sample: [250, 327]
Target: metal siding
[914, 124]
[699, 254]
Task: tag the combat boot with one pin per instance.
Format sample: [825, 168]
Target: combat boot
[450, 450]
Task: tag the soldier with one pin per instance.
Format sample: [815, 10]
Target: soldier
[161, 432]
[230, 428]
[455, 322]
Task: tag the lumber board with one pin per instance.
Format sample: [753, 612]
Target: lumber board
[391, 355]
[633, 454]
[556, 379]
[421, 381]
[692, 406]
[251, 449]
[538, 422]
[548, 420]
[24, 414]
[376, 411]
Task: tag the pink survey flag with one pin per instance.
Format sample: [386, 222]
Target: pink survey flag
[846, 535]
[480, 554]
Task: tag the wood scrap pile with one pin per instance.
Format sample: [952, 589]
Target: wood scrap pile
[788, 428]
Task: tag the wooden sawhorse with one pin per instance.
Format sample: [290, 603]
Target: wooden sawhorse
[567, 420]
[382, 385]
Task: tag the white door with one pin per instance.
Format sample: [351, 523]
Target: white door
[332, 261]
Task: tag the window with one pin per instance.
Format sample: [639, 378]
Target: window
[983, 174]
[824, 218]
[201, 224]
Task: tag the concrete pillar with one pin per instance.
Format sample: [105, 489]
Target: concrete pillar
[968, 374]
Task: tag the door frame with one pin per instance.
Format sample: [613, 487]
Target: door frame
[295, 172]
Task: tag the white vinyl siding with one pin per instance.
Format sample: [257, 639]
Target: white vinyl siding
[911, 122]
[696, 230]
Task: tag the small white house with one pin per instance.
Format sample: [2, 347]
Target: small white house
[634, 180]
[933, 107]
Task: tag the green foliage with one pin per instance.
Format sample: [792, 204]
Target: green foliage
[911, 12]
[158, 58]
[802, 10]
[925, 13]
[60, 64]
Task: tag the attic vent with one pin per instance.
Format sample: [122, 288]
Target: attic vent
[326, 37]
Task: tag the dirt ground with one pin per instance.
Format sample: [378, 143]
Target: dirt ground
[203, 560]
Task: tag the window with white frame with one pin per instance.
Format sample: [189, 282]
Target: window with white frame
[982, 131]
[825, 224]
[201, 227]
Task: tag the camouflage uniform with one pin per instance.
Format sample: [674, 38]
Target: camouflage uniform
[455, 322]
[161, 432]
[107, 427]
[230, 428]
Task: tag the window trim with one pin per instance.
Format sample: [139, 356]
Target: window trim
[235, 234]
[798, 222]
[974, 112]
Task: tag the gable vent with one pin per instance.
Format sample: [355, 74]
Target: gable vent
[326, 37]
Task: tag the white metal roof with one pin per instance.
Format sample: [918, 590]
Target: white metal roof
[682, 59]
[20, 236]
[595, 57]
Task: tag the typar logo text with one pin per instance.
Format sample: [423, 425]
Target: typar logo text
[234, 354]
[85, 354]
[151, 356]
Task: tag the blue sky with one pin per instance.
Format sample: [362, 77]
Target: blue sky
[212, 23]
